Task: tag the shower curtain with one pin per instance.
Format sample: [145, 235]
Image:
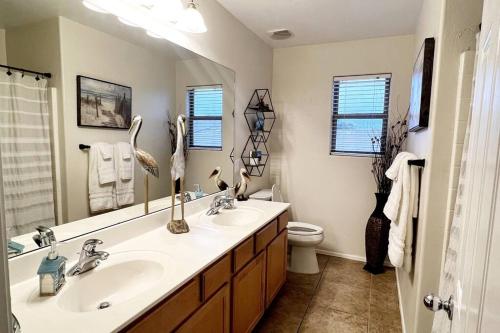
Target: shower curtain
[25, 153]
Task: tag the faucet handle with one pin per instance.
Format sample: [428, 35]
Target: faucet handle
[90, 244]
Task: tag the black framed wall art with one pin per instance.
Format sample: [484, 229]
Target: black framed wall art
[103, 104]
[421, 87]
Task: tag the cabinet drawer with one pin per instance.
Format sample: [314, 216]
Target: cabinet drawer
[282, 221]
[167, 316]
[242, 254]
[216, 276]
[265, 236]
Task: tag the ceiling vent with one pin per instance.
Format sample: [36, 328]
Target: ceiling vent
[280, 34]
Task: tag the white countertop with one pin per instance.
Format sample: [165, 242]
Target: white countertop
[184, 256]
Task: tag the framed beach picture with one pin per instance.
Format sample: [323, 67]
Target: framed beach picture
[103, 104]
[421, 86]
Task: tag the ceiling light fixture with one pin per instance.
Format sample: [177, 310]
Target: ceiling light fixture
[94, 7]
[191, 20]
[159, 18]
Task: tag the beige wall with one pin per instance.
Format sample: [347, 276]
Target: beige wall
[231, 44]
[452, 23]
[334, 192]
[3, 51]
[152, 78]
[201, 163]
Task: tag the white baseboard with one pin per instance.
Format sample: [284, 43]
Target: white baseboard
[341, 255]
[348, 256]
[403, 322]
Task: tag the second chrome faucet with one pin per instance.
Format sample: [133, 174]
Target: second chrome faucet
[89, 257]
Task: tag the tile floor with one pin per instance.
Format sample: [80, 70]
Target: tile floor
[342, 298]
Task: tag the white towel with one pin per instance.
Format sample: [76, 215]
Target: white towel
[105, 163]
[124, 164]
[101, 196]
[400, 209]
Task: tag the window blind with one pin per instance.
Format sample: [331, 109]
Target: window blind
[204, 110]
[360, 111]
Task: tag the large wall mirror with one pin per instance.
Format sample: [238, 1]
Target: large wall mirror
[65, 147]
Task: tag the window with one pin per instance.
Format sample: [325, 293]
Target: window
[360, 113]
[204, 111]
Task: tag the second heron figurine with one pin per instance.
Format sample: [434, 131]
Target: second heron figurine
[178, 166]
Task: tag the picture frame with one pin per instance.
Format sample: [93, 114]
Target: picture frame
[421, 87]
[103, 104]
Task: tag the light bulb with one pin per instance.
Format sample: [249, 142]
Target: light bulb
[93, 7]
[153, 34]
[191, 20]
[169, 10]
[127, 22]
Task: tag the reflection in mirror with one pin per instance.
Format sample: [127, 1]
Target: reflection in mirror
[66, 153]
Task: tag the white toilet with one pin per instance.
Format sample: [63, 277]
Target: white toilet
[302, 237]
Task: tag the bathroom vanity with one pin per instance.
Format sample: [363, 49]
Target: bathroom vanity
[219, 277]
[232, 294]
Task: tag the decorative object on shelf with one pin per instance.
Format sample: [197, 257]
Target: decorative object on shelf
[259, 115]
[241, 186]
[103, 104]
[172, 132]
[255, 156]
[178, 166]
[421, 87]
[145, 159]
[378, 226]
[198, 192]
[215, 175]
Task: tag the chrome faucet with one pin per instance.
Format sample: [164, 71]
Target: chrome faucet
[89, 258]
[222, 201]
[44, 237]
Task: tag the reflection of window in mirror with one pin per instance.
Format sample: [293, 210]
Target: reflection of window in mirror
[204, 113]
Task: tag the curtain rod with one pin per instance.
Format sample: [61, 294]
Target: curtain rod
[47, 75]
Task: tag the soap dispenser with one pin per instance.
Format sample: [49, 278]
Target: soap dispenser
[52, 272]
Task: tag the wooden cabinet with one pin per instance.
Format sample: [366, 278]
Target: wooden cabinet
[276, 262]
[212, 317]
[229, 296]
[248, 301]
[169, 314]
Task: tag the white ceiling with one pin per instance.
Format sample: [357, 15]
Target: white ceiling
[322, 21]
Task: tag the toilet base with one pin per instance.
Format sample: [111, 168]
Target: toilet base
[303, 260]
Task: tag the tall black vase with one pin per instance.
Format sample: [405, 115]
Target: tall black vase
[377, 236]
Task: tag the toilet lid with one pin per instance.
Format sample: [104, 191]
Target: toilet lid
[305, 229]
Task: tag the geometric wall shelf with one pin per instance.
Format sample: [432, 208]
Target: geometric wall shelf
[255, 156]
[259, 115]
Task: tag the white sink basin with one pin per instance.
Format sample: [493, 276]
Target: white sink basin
[237, 217]
[118, 279]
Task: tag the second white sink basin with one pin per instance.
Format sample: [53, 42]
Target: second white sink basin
[123, 276]
[239, 216]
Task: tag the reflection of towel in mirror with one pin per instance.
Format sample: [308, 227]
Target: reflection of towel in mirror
[400, 209]
[124, 165]
[101, 177]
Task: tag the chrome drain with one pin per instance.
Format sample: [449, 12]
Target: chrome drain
[103, 305]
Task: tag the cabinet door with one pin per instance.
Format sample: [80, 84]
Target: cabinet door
[249, 295]
[276, 266]
[212, 317]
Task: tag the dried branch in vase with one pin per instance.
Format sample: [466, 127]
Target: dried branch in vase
[397, 134]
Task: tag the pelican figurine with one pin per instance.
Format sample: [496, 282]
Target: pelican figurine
[241, 186]
[178, 166]
[215, 175]
[145, 159]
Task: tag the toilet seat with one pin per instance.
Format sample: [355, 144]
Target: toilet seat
[303, 229]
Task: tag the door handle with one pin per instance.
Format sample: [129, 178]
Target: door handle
[435, 303]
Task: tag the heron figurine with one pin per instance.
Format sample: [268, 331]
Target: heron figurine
[178, 166]
[241, 186]
[145, 159]
[215, 175]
